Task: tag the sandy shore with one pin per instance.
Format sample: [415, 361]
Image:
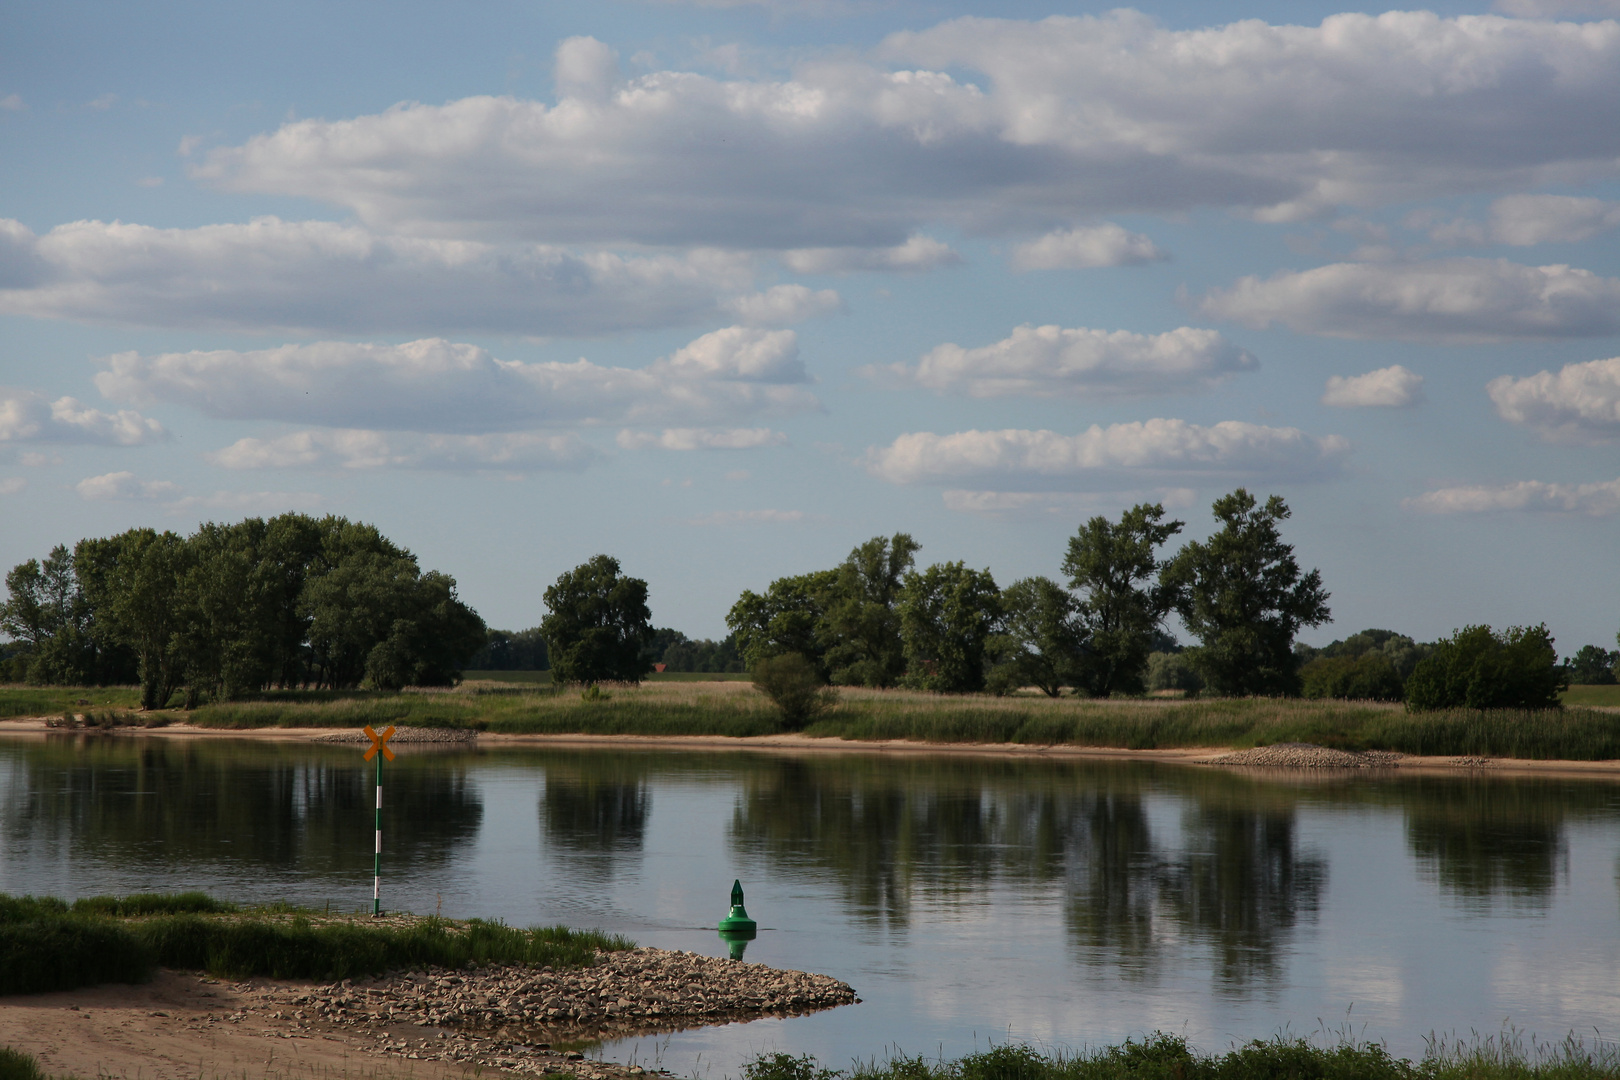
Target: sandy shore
[1204, 756]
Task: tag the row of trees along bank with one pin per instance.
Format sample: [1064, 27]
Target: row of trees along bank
[230, 610]
[877, 620]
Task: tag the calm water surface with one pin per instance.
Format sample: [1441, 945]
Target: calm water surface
[967, 901]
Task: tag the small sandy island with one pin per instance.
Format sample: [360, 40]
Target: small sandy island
[456, 1023]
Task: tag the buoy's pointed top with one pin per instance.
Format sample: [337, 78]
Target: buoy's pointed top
[736, 893]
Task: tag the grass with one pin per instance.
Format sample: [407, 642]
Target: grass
[16, 700]
[676, 707]
[1168, 1057]
[1590, 695]
[47, 944]
[16, 1065]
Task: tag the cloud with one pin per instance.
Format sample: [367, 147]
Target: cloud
[750, 517]
[917, 254]
[1548, 9]
[28, 417]
[1095, 245]
[985, 125]
[1449, 300]
[1526, 220]
[1393, 387]
[1009, 505]
[1579, 404]
[358, 449]
[783, 305]
[317, 276]
[1098, 458]
[247, 502]
[123, 486]
[1596, 500]
[701, 439]
[439, 386]
[12, 485]
[1051, 361]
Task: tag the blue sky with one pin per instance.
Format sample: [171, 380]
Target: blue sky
[724, 289]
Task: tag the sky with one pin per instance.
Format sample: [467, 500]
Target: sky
[725, 288]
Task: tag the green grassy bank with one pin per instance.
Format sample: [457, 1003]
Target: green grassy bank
[46, 944]
[1168, 1057]
[732, 708]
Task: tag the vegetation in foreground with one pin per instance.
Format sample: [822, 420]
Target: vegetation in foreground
[1168, 1057]
[47, 944]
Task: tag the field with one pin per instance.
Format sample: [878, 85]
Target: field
[734, 708]
[1593, 696]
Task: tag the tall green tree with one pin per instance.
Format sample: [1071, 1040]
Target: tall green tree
[1042, 642]
[948, 614]
[133, 582]
[1478, 668]
[787, 617]
[860, 630]
[597, 625]
[1114, 569]
[1243, 595]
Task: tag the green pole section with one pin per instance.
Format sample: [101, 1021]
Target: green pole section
[376, 861]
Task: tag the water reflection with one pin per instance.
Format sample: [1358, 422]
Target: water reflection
[1491, 840]
[594, 810]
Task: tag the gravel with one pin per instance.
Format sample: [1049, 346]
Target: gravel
[405, 735]
[1309, 756]
[509, 1017]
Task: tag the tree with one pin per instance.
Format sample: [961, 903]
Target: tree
[598, 624]
[786, 618]
[1241, 593]
[1368, 677]
[132, 581]
[1042, 642]
[947, 616]
[860, 629]
[1477, 668]
[1170, 671]
[1593, 665]
[790, 681]
[1113, 568]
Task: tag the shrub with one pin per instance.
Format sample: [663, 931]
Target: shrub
[1477, 668]
[1368, 677]
[1170, 671]
[16, 1065]
[791, 682]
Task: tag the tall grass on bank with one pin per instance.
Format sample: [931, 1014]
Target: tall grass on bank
[18, 701]
[16, 1065]
[1168, 1057]
[46, 944]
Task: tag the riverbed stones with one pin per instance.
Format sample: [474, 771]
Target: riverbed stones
[509, 1017]
[405, 735]
[1309, 756]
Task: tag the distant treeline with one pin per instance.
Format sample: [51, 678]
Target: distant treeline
[231, 610]
[525, 650]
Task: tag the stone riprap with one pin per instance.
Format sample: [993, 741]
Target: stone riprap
[1309, 756]
[405, 735]
[509, 1017]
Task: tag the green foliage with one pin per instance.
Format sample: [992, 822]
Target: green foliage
[1242, 594]
[860, 628]
[947, 616]
[683, 655]
[1041, 642]
[1171, 671]
[786, 618]
[780, 1066]
[1368, 677]
[16, 1065]
[504, 650]
[186, 903]
[598, 624]
[1113, 568]
[1477, 668]
[793, 686]
[1593, 665]
[59, 952]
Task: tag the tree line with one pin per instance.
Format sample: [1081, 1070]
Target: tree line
[292, 601]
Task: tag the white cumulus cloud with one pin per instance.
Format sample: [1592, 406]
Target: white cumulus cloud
[1597, 500]
[1578, 403]
[1526, 220]
[124, 485]
[440, 386]
[359, 449]
[1018, 460]
[996, 125]
[1052, 361]
[1446, 300]
[1391, 387]
[317, 276]
[701, 439]
[917, 254]
[783, 305]
[1092, 245]
[26, 416]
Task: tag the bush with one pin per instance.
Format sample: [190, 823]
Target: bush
[16, 1065]
[1170, 671]
[1477, 668]
[791, 682]
[1368, 677]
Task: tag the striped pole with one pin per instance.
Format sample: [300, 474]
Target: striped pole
[376, 861]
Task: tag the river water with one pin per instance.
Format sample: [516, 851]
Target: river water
[968, 900]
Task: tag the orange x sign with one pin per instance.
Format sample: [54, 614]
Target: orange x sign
[380, 742]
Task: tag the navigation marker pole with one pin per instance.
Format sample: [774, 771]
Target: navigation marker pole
[378, 742]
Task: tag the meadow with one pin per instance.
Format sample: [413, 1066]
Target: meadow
[676, 707]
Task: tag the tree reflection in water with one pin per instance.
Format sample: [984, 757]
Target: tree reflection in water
[595, 808]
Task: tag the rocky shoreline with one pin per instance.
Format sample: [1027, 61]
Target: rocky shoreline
[526, 1019]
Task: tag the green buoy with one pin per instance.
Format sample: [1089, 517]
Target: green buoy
[737, 921]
